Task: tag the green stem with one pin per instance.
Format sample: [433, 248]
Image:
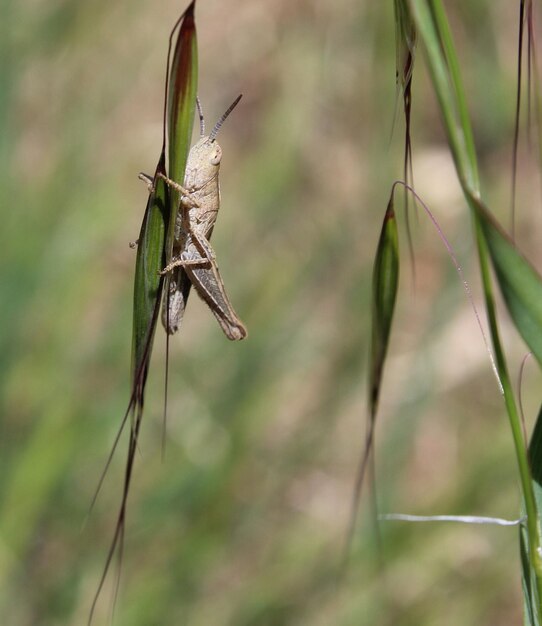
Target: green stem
[447, 42]
[444, 69]
[533, 528]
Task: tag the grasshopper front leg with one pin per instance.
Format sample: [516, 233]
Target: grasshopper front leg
[188, 199]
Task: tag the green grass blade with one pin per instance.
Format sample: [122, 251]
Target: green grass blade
[148, 285]
[157, 231]
[180, 109]
[384, 294]
[385, 281]
[148, 282]
[155, 247]
[444, 68]
[181, 105]
[452, 62]
[520, 284]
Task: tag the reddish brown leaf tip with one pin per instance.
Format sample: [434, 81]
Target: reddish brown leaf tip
[189, 13]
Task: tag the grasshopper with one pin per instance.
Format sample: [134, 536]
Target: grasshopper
[194, 261]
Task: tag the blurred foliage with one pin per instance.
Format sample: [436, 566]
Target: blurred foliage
[244, 522]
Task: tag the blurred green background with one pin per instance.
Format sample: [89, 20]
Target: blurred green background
[244, 522]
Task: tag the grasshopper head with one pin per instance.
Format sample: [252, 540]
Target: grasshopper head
[207, 153]
[203, 163]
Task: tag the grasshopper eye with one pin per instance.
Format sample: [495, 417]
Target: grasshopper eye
[216, 155]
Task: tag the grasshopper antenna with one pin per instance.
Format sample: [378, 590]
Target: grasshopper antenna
[201, 118]
[222, 118]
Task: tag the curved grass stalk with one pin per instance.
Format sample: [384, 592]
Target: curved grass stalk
[444, 70]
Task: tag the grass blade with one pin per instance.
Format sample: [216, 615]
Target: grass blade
[443, 64]
[155, 245]
[385, 281]
[148, 286]
[150, 260]
[157, 231]
[181, 106]
[520, 284]
[384, 294]
[180, 109]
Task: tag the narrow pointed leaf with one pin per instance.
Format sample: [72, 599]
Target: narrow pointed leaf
[150, 260]
[520, 284]
[385, 281]
[181, 105]
[154, 249]
[148, 285]
[157, 230]
[518, 281]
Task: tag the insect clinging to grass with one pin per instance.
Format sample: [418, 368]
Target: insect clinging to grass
[173, 249]
[194, 261]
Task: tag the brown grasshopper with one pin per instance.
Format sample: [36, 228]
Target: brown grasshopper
[194, 261]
